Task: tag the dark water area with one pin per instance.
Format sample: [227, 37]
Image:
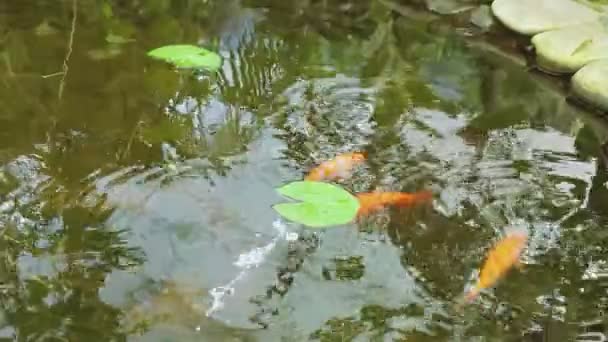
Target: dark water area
[135, 199]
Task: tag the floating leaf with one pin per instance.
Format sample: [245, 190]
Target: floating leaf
[106, 10]
[322, 204]
[117, 39]
[102, 54]
[188, 56]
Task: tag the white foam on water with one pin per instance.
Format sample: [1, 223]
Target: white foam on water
[254, 257]
[291, 236]
[246, 261]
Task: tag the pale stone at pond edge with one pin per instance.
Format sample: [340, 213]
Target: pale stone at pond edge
[599, 6]
[591, 84]
[534, 16]
[569, 49]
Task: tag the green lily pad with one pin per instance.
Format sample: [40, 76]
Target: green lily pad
[322, 204]
[188, 56]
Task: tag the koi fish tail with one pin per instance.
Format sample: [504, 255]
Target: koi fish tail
[406, 200]
[360, 155]
[466, 299]
[471, 295]
[338, 167]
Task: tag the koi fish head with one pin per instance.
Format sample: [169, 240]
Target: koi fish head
[519, 242]
[501, 258]
[358, 156]
[516, 239]
[315, 175]
[339, 167]
[520, 237]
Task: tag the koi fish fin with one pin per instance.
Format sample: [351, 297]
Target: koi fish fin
[466, 298]
[471, 295]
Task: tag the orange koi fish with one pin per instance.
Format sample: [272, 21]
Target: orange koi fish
[373, 201]
[500, 259]
[336, 168]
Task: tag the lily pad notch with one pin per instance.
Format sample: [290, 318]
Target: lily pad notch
[188, 56]
[321, 204]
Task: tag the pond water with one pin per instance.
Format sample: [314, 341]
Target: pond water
[135, 200]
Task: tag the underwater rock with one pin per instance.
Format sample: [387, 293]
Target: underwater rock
[482, 17]
[530, 17]
[567, 35]
[298, 249]
[172, 303]
[591, 83]
[569, 49]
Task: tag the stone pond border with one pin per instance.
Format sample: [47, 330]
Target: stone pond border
[568, 37]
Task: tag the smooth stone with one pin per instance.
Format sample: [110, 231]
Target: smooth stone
[596, 5]
[530, 17]
[569, 49]
[591, 84]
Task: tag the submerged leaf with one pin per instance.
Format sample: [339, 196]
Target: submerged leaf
[188, 56]
[117, 39]
[322, 204]
[45, 29]
[102, 54]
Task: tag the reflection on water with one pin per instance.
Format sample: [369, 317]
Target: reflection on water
[136, 200]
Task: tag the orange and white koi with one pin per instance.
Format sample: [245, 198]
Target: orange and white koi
[505, 254]
[339, 167]
[373, 201]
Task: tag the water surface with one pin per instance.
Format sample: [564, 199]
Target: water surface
[136, 199]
